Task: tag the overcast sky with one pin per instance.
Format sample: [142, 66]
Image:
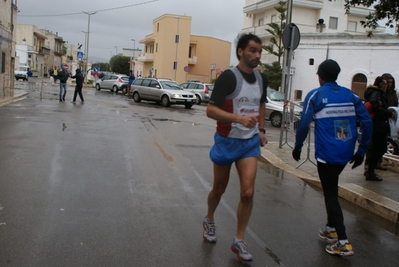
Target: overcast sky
[119, 21]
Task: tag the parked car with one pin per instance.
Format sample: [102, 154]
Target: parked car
[162, 91]
[275, 106]
[201, 90]
[112, 82]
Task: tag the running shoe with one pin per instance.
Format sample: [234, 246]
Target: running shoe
[338, 249]
[330, 237]
[240, 248]
[209, 231]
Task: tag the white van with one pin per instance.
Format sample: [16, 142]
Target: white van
[21, 72]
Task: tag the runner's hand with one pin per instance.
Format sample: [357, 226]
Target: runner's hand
[249, 121]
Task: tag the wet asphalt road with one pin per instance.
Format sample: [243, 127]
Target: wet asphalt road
[117, 183]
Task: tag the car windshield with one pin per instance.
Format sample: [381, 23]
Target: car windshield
[210, 87]
[125, 78]
[170, 85]
[275, 95]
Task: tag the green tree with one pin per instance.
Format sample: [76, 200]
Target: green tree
[383, 9]
[120, 64]
[276, 30]
[274, 71]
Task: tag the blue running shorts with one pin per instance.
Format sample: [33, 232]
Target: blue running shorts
[227, 150]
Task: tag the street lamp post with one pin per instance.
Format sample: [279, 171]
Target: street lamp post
[88, 38]
[116, 50]
[131, 61]
[177, 39]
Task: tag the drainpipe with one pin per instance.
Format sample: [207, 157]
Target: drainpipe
[328, 50]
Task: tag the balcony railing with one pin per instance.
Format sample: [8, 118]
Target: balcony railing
[146, 57]
[192, 60]
[44, 50]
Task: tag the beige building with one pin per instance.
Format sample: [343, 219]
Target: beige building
[45, 48]
[170, 51]
[8, 15]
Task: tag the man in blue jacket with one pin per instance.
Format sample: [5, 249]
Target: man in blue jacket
[335, 110]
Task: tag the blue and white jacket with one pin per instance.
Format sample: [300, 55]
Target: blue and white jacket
[335, 110]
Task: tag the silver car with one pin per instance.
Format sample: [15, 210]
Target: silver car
[201, 90]
[275, 106]
[162, 91]
[112, 82]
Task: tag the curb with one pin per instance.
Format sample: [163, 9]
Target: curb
[15, 98]
[373, 202]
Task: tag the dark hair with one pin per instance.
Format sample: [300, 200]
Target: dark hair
[378, 81]
[387, 76]
[243, 40]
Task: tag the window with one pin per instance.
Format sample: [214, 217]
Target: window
[3, 62]
[333, 24]
[138, 81]
[156, 47]
[146, 82]
[192, 86]
[273, 18]
[298, 95]
[260, 22]
[352, 26]
[311, 61]
[155, 84]
[158, 27]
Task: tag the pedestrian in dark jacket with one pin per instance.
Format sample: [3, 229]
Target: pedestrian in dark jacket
[79, 85]
[392, 97]
[63, 76]
[375, 94]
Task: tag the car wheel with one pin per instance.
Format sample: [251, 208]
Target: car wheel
[198, 101]
[136, 97]
[275, 119]
[98, 87]
[188, 106]
[392, 147]
[115, 89]
[16, 79]
[124, 90]
[165, 101]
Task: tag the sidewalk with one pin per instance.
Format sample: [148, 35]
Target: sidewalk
[381, 198]
[18, 94]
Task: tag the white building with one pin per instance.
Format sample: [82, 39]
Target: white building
[327, 32]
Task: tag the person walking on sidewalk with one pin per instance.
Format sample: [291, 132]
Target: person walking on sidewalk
[79, 85]
[335, 110]
[63, 77]
[238, 106]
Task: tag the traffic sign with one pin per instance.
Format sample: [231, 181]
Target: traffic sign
[186, 68]
[79, 55]
[291, 36]
[95, 69]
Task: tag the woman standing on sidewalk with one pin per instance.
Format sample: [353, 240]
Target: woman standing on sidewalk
[375, 94]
